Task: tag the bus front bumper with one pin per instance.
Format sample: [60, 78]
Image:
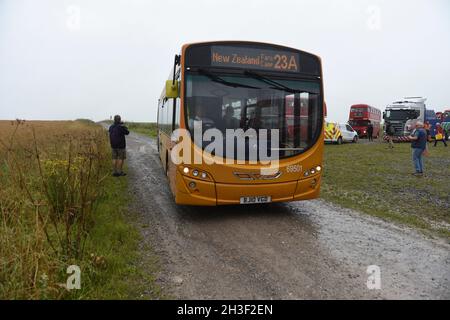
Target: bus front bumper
[207, 193]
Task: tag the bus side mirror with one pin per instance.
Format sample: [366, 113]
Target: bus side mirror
[172, 89]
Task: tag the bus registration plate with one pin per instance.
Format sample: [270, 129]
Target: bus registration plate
[256, 199]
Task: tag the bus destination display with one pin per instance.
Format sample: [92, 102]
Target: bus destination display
[251, 58]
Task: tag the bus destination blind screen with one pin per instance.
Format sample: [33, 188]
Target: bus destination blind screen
[250, 58]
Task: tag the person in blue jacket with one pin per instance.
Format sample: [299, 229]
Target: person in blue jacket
[418, 144]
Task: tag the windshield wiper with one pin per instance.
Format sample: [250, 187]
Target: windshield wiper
[218, 79]
[278, 86]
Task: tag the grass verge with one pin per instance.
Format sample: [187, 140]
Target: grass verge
[60, 207]
[116, 267]
[370, 178]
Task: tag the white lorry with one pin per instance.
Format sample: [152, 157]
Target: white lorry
[402, 115]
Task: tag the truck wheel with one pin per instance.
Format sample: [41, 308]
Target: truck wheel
[339, 140]
[355, 139]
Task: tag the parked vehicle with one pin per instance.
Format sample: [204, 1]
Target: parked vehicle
[340, 133]
[361, 115]
[402, 116]
[443, 116]
[432, 120]
[239, 85]
[444, 120]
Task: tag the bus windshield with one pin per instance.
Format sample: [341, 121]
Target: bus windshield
[245, 101]
[358, 111]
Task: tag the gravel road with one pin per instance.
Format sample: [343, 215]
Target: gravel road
[300, 250]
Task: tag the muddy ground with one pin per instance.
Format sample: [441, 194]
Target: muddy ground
[301, 250]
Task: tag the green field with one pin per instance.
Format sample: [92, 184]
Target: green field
[376, 180]
[145, 128]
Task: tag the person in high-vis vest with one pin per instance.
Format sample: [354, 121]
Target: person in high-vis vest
[440, 135]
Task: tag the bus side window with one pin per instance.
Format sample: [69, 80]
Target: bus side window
[176, 120]
[169, 115]
[166, 118]
[176, 106]
[158, 119]
[162, 111]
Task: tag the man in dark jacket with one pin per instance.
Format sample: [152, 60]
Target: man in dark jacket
[370, 131]
[117, 133]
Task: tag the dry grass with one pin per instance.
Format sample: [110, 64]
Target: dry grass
[51, 181]
[60, 206]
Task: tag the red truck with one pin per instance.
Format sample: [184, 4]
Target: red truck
[360, 117]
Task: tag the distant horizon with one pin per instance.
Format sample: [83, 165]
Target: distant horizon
[123, 115]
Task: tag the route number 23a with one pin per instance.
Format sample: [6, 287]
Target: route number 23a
[283, 62]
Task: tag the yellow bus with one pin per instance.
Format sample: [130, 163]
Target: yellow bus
[238, 87]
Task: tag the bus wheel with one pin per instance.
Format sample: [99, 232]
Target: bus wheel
[339, 140]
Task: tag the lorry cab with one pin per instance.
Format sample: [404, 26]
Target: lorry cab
[402, 117]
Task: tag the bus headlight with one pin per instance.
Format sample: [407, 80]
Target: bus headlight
[316, 169]
[196, 173]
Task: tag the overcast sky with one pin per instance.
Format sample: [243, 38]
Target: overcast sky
[92, 59]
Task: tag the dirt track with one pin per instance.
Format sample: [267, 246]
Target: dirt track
[302, 250]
